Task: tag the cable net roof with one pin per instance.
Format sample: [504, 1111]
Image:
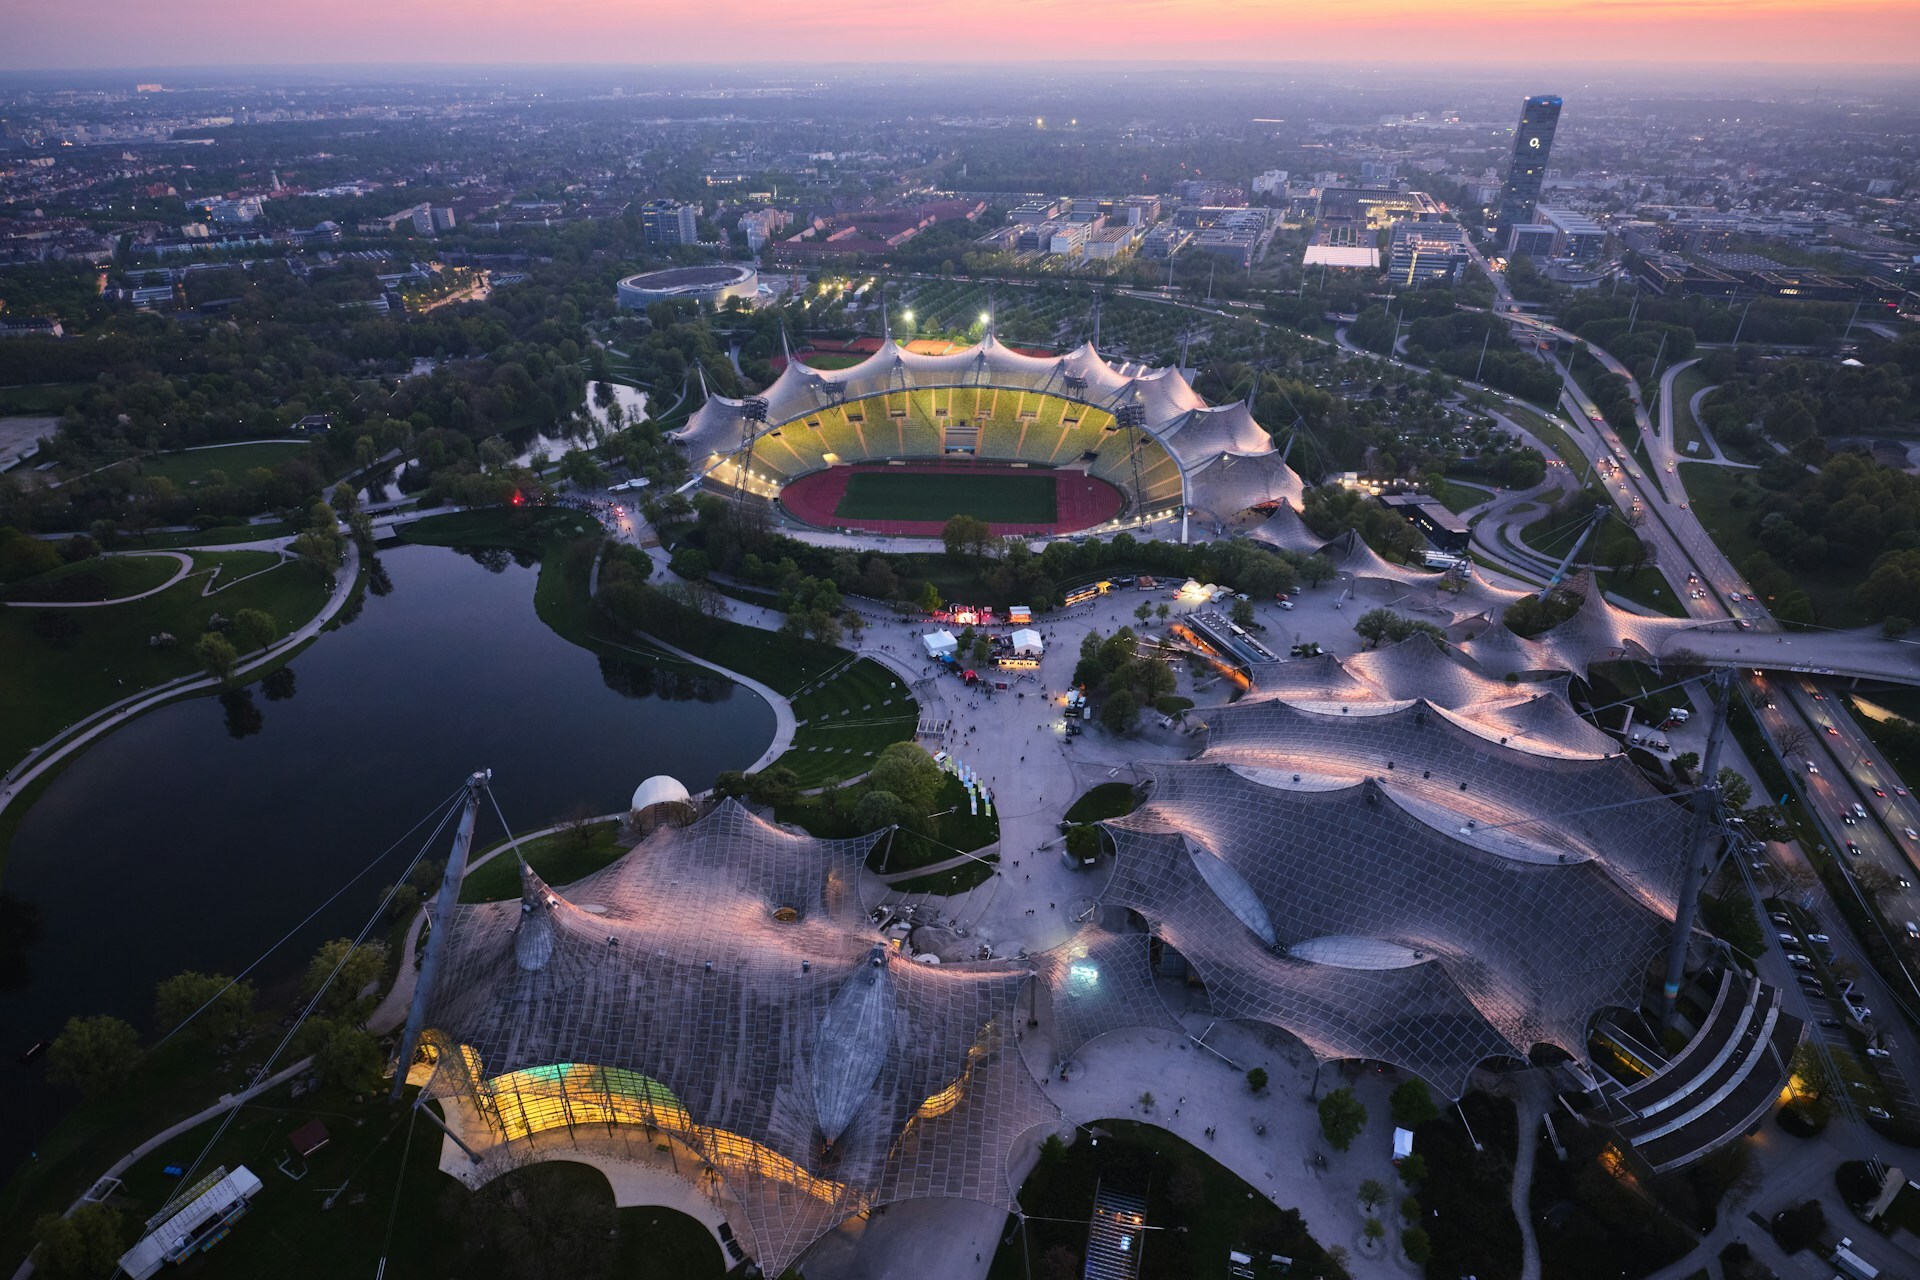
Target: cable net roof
[1400, 931]
[722, 983]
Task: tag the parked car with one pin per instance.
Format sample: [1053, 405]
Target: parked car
[1878, 1113]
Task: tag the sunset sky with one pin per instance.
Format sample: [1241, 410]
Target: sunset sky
[138, 33]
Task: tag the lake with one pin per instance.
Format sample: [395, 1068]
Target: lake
[195, 836]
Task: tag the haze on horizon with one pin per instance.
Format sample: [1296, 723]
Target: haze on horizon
[107, 34]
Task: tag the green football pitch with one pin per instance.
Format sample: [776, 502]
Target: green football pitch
[936, 496]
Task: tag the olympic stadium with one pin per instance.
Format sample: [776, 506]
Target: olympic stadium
[1034, 445]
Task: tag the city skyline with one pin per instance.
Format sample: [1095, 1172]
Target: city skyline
[102, 34]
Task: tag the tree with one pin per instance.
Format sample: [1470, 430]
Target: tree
[1802, 1225]
[1735, 790]
[1083, 842]
[929, 599]
[1120, 713]
[95, 1055]
[1410, 1210]
[910, 774]
[1242, 613]
[1418, 1245]
[963, 534]
[1374, 1230]
[350, 1058]
[1373, 1194]
[1342, 1117]
[1413, 1105]
[84, 1245]
[1257, 1079]
[256, 628]
[879, 809]
[1146, 1101]
[1373, 624]
[1792, 740]
[1413, 1169]
[359, 966]
[217, 655]
[1143, 612]
[223, 1005]
[1894, 627]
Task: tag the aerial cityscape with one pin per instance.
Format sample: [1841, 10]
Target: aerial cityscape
[742, 642]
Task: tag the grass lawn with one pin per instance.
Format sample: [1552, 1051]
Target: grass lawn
[46, 398]
[109, 578]
[829, 359]
[959, 831]
[1551, 433]
[54, 680]
[1213, 1209]
[1107, 800]
[846, 719]
[907, 495]
[559, 859]
[217, 536]
[192, 465]
[1457, 496]
[1710, 493]
[1685, 429]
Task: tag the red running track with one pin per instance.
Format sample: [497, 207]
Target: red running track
[1080, 501]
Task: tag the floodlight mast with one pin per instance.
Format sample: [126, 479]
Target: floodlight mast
[437, 919]
[1706, 802]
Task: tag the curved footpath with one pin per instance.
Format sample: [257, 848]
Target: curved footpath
[84, 731]
[185, 567]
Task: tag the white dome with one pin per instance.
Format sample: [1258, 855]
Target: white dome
[659, 789]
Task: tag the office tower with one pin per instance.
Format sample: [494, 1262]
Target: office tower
[1532, 142]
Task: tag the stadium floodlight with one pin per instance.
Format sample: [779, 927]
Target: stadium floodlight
[907, 315]
[984, 317]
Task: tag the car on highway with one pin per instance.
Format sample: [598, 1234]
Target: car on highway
[1734, 596]
[1899, 791]
[1910, 833]
[1831, 730]
[1877, 791]
[1818, 937]
[1853, 850]
[1848, 819]
[1812, 767]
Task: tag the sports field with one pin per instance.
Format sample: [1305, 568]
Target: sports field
[917, 495]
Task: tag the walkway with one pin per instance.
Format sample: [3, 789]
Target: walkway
[185, 567]
[85, 730]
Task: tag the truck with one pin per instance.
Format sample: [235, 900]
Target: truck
[1852, 1264]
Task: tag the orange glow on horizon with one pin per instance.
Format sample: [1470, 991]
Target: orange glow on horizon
[109, 33]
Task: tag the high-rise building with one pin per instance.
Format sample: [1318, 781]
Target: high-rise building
[1532, 141]
[662, 222]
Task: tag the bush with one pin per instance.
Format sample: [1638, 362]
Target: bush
[1800, 1120]
[1799, 1227]
[1418, 1247]
[1257, 1079]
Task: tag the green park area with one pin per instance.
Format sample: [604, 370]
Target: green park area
[65, 664]
[43, 399]
[191, 466]
[1721, 497]
[1686, 430]
[1197, 1209]
[1456, 496]
[96, 580]
[1014, 498]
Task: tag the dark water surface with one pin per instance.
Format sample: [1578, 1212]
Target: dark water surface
[174, 844]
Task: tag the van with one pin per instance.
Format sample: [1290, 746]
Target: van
[1239, 1264]
[1913, 929]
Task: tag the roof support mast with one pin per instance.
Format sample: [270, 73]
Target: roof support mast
[440, 913]
[1560, 573]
